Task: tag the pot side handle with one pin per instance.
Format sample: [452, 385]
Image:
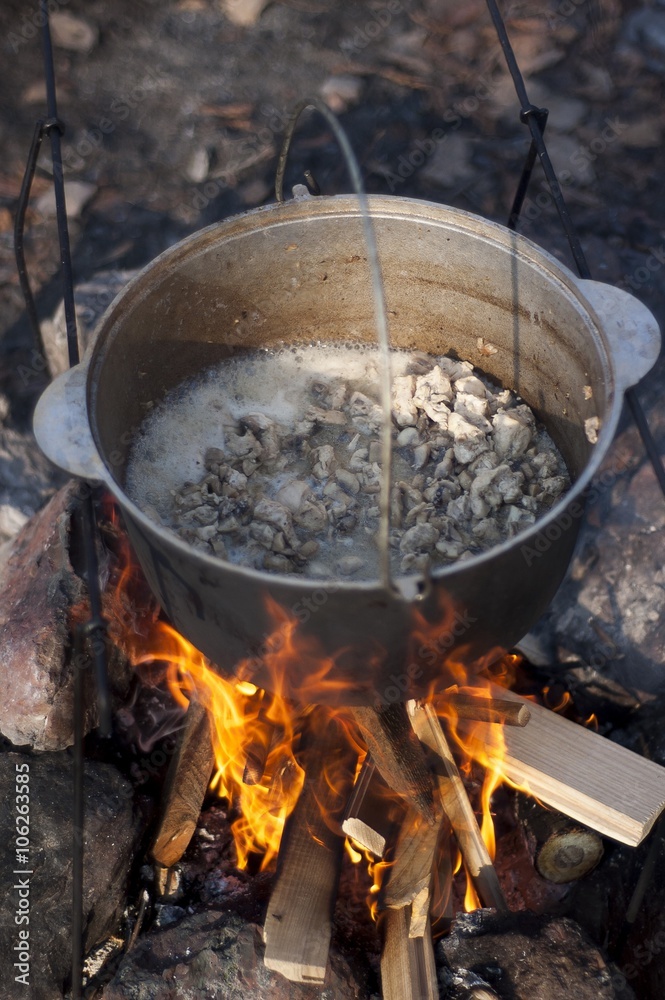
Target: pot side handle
[62, 429]
[631, 329]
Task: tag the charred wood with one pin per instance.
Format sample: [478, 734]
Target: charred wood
[397, 754]
[373, 814]
[563, 851]
[186, 784]
[481, 709]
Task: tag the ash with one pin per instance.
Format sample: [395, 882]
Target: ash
[281, 451]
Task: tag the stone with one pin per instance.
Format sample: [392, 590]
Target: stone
[610, 611]
[77, 196]
[11, 520]
[244, 13]
[450, 164]
[565, 113]
[521, 956]
[38, 590]
[198, 165]
[646, 29]
[341, 92]
[111, 831]
[91, 299]
[565, 153]
[73, 33]
[217, 956]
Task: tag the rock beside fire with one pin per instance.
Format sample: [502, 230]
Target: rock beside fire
[217, 956]
[111, 833]
[521, 956]
[39, 587]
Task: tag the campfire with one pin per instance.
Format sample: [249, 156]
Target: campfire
[383, 784]
[374, 720]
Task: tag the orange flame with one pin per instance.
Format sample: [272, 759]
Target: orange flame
[248, 724]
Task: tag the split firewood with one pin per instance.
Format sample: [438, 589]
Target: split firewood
[408, 971]
[420, 907]
[411, 870]
[564, 851]
[187, 780]
[264, 733]
[284, 777]
[257, 755]
[298, 923]
[481, 709]
[457, 807]
[397, 754]
[373, 813]
[441, 909]
[167, 882]
[615, 792]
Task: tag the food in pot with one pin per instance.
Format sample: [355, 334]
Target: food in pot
[272, 460]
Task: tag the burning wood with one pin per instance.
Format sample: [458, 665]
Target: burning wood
[373, 813]
[186, 784]
[441, 905]
[457, 807]
[264, 734]
[299, 919]
[411, 870]
[596, 782]
[478, 708]
[397, 754]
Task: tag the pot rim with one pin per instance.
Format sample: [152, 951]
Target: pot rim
[344, 206]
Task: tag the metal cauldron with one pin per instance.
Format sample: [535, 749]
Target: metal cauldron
[297, 272]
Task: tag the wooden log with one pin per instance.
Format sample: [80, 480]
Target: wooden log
[563, 850]
[457, 807]
[412, 879]
[257, 752]
[284, 777]
[600, 784]
[397, 754]
[373, 814]
[298, 923]
[441, 909]
[482, 709]
[167, 883]
[408, 971]
[420, 907]
[411, 869]
[186, 784]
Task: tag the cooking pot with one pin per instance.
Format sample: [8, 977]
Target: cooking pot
[297, 273]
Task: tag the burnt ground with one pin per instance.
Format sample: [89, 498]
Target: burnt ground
[175, 113]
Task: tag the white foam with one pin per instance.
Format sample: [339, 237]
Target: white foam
[170, 447]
